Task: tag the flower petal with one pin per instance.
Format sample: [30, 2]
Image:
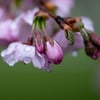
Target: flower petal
[10, 60]
[38, 61]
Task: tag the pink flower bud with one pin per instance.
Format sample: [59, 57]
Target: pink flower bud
[54, 52]
[95, 39]
[92, 50]
[39, 44]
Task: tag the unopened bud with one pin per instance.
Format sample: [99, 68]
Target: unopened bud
[39, 43]
[91, 50]
[54, 52]
[95, 39]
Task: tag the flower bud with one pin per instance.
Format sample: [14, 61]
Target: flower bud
[91, 50]
[94, 39]
[39, 44]
[54, 52]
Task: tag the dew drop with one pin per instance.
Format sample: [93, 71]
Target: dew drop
[27, 60]
[11, 62]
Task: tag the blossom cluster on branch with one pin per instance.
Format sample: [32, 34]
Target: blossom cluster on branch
[40, 31]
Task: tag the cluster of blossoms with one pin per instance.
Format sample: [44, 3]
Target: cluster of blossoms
[40, 31]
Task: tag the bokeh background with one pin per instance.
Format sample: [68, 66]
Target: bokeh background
[77, 78]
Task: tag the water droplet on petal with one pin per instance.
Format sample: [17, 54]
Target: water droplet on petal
[11, 62]
[3, 53]
[27, 60]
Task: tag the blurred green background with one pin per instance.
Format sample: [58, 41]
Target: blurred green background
[75, 79]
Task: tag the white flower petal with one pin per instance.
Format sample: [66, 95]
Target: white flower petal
[25, 51]
[10, 60]
[22, 52]
[18, 52]
[12, 47]
[27, 60]
[38, 61]
[3, 53]
[47, 66]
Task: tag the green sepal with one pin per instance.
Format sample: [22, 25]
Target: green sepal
[43, 23]
[80, 24]
[70, 37]
[39, 23]
[84, 34]
[34, 23]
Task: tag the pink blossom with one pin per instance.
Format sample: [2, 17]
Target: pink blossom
[7, 33]
[16, 29]
[39, 43]
[3, 14]
[54, 52]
